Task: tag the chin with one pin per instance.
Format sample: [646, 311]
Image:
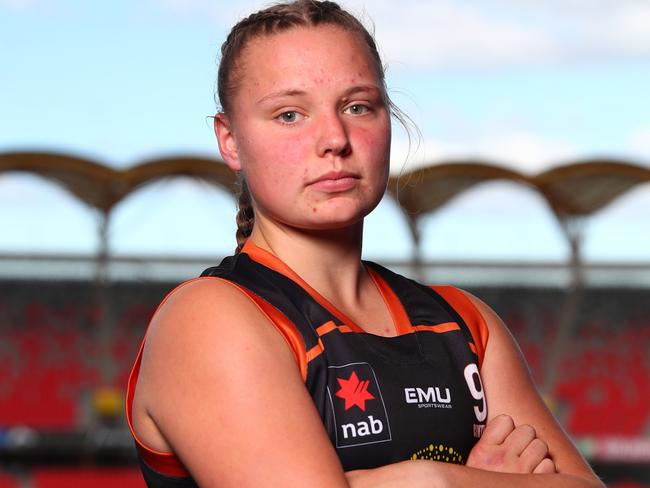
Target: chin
[333, 219]
[331, 215]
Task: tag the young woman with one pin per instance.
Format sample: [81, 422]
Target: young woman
[295, 363]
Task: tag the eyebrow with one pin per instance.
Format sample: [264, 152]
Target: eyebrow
[361, 89]
[292, 92]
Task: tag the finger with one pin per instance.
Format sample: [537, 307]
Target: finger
[533, 455]
[520, 438]
[547, 466]
[497, 430]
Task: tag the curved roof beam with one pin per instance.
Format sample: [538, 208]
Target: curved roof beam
[572, 190]
[211, 170]
[89, 181]
[582, 188]
[102, 187]
[426, 189]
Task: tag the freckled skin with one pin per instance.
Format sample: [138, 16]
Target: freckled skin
[280, 160]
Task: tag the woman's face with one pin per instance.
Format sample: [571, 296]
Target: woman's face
[309, 128]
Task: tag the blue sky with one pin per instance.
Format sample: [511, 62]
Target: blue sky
[529, 84]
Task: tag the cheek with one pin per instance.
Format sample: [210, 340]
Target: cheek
[274, 166]
[376, 145]
[290, 155]
[274, 156]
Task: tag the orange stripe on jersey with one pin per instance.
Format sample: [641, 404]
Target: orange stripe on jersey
[395, 307]
[328, 327]
[325, 328]
[439, 328]
[315, 351]
[270, 261]
[470, 314]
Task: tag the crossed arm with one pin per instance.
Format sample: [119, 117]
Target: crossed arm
[211, 354]
[522, 445]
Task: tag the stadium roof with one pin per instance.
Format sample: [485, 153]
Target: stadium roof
[583, 188]
[102, 187]
[572, 190]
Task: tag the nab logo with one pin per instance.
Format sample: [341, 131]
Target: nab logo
[354, 392]
[359, 411]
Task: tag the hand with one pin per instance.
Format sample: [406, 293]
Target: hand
[509, 449]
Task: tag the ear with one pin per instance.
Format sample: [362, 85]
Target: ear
[227, 141]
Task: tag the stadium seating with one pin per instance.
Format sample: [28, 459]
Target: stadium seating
[8, 481]
[87, 477]
[55, 356]
[627, 484]
[603, 377]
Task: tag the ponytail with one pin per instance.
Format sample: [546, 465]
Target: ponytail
[245, 215]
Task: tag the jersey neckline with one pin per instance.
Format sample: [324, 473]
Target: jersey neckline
[401, 323]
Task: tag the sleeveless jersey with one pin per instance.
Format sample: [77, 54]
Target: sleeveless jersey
[416, 395]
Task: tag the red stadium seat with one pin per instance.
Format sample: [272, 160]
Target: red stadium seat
[87, 477]
[8, 481]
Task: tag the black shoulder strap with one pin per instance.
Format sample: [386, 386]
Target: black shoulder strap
[278, 290]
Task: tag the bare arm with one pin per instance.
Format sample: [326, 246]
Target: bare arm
[440, 475]
[522, 446]
[510, 390]
[223, 389]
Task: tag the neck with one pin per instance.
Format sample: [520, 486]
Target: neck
[329, 261]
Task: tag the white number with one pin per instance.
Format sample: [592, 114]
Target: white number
[473, 378]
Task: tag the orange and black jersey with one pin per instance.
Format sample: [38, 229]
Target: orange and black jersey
[416, 395]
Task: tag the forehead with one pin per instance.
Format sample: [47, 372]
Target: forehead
[306, 56]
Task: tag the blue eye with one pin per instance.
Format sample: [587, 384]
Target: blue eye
[357, 109]
[290, 117]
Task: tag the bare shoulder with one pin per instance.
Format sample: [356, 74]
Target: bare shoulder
[501, 342]
[492, 320]
[217, 380]
[202, 320]
[199, 320]
[199, 301]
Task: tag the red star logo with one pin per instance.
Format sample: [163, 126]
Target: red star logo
[354, 391]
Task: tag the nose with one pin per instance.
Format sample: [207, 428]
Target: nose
[333, 137]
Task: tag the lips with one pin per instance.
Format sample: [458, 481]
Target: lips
[335, 181]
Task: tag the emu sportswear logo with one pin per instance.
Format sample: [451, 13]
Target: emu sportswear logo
[359, 412]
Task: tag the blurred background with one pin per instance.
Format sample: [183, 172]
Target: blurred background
[527, 185]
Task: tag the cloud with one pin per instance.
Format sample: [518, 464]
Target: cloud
[632, 27]
[422, 35]
[521, 151]
[497, 33]
[468, 34]
[526, 152]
